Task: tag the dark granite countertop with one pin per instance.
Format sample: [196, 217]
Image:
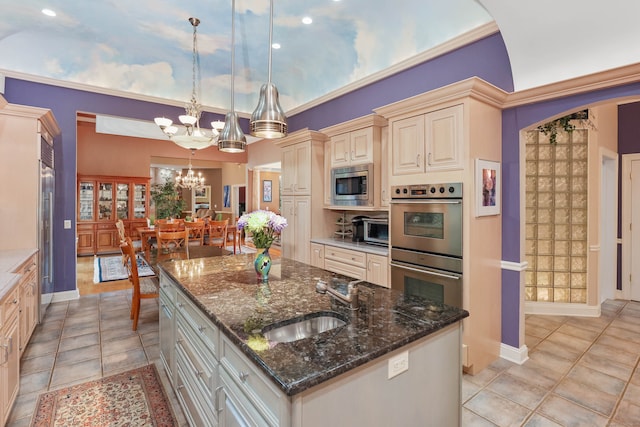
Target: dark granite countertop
[227, 290]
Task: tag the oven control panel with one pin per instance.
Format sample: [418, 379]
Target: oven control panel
[427, 191]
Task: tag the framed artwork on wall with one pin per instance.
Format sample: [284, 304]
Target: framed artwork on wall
[487, 187]
[266, 191]
[226, 196]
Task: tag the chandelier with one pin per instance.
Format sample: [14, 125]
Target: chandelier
[190, 180]
[193, 137]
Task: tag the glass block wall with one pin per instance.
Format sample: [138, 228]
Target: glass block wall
[556, 217]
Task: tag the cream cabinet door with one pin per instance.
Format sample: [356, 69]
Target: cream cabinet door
[288, 173]
[289, 232]
[444, 139]
[385, 191]
[408, 146]
[340, 150]
[303, 168]
[303, 229]
[317, 255]
[327, 173]
[361, 146]
[378, 270]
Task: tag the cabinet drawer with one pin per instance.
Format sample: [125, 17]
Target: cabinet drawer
[27, 267]
[10, 305]
[202, 326]
[108, 226]
[346, 256]
[345, 269]
[202, 364]
[258, 389]
[193, 410]
[167, 288]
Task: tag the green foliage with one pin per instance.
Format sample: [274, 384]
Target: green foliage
[166, 198]
[551, 128]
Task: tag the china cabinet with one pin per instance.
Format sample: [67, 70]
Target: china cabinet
[102, 200]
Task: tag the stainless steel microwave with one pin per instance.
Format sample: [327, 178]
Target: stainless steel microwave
[352, 185]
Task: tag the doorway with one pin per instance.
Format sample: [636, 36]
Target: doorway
[608, 225]
[238, 200]
[630, 235]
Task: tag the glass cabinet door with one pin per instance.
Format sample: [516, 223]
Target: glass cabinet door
[86, 201]
[105, 201]
[140, 201]
[122, 200]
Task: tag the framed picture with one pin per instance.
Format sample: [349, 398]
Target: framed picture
[266, 190]
[226, 196]
[487, 187]
[203, 192]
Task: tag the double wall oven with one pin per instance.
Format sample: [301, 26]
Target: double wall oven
[426, 241]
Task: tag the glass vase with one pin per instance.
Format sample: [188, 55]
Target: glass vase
[262, 263]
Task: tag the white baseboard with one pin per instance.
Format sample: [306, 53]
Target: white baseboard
[514, 354]
[561, 309]
[65, 296]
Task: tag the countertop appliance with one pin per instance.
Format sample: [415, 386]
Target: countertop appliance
[426, 241]
[376, 231]
[357, 223]
[352, 185]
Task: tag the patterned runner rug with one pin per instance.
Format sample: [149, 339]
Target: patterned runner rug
[109, 268]
[132, 398]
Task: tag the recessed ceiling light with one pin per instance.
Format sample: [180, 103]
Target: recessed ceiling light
[307, 20]
[276, 45]
[48, 12]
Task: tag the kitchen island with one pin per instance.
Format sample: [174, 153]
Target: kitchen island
[388, 359]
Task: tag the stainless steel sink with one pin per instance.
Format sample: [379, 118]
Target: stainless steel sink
[303, 327]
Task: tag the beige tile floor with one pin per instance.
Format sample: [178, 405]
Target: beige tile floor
[84, 340]
[581, 372]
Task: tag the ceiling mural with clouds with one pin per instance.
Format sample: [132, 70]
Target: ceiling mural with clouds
[145, 46]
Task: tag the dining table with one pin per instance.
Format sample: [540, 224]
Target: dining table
[154, 256]
[148, 233]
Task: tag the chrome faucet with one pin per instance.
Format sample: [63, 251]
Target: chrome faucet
[350, 298]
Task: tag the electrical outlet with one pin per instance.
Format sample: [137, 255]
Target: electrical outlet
[398, 364]
[67, 224]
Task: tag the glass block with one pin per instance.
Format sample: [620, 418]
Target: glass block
[531, 261]
[544, 216]
[532, 167]
[578, 280]
[544, 168]
[579, 184]
[580, 136]
[579, 167]
[545, 151]
[531, 152]
[561, 280]
[579, 296]
[579, 216]
[545, 294]
[578, 247]
[545, 263]
[561, 263]
[544, 278]
[561, 216]
[545, 184]
[561, 168]
[561, 200]
[531, 217]
[561, 295]
[531, 231]
[544, 247]
[579, 264]
[562, 152]
[561, 247]
[531, 199]
[532, 183]
[530, 246]
[579, 152]
[579, 232]
[561, 232]
[529, 293]
[545, 231]
[579, 200]
[545, 200]
[561, 183]
[563, 137]
[530, 278]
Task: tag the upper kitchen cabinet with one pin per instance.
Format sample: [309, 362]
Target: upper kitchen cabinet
[296, 175]
[357, 142]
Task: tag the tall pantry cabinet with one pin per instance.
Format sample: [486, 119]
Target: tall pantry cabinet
[301, 192]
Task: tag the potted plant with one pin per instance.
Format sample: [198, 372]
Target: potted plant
[167, 201]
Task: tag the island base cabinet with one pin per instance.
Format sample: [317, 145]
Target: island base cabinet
[427, 394]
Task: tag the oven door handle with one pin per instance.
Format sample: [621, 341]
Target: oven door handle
[422, 270]
[426, 201]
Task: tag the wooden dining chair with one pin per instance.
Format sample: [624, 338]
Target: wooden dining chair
[168, 240]
[166, 225]
[120, 228]
[196, 232]
[142, 288]
[218, 233]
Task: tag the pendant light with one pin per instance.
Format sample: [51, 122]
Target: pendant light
[232, 139]
[268, 120]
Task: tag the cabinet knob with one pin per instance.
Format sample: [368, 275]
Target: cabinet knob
[201, 329]
[243, 376]
[418, 160]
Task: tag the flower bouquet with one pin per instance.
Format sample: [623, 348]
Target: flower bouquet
[264, 226]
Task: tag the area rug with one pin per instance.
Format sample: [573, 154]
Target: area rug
[132, 398]
[110, 268]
